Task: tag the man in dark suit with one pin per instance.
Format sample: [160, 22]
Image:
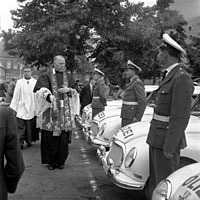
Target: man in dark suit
[12, 169]
[166, 135]
[86, 94]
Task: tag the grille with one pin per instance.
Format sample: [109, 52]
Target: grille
[116, 154]
[94, 128]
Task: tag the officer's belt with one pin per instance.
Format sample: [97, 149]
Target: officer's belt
[96, 99]
[130, 103]
[160, 118]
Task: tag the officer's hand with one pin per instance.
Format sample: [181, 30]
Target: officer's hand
[168, 154]
[52, 98]
[135, 120]
[64, 90]
[53, 101]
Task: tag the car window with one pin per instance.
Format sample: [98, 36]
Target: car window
[151, 99]
[195, 110]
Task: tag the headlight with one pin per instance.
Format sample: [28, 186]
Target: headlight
[162, 190]
[130, 158]
[102, 129]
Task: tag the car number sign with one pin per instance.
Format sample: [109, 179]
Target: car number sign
[127, 132]
[189, 190]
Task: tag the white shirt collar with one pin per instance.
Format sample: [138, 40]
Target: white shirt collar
[171, 67]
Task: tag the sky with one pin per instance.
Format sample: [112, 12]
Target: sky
[6, 6]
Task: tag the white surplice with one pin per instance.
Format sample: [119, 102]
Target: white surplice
[23, 101]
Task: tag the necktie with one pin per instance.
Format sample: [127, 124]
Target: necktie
[164, 74]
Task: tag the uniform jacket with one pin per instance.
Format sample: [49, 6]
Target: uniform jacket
[86, 96]
[174, 98]
[134, 92]
[12, 169]
[100, 95]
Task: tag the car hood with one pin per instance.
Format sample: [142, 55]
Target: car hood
[140, 129]
[185, 179]
[117, 111]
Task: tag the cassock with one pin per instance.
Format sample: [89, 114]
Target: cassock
[54, 147]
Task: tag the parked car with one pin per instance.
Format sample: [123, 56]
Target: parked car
[86, 118]
[183, 184]
[107, 123]
[127, 161]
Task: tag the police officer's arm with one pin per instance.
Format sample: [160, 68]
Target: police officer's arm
[180, 112]
[141, 99]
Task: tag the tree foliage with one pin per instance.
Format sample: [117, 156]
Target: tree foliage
[109, 32]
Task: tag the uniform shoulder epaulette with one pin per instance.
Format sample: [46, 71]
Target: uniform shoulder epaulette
[181, 70]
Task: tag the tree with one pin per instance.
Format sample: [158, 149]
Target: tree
[108, 32]
[48, 28]
[193, 52]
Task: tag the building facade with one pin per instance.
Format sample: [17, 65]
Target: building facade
[10, 66]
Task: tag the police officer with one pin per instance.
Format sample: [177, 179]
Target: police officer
[134, 99]
[171, 115]
[100, 92]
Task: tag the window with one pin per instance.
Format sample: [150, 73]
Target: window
[9, 64]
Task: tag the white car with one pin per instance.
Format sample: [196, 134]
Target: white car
[86, 118]
[101, 129]
[107, 123]
[183, 184]
[127, 161]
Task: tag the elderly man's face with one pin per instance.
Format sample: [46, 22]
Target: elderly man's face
[59, 64]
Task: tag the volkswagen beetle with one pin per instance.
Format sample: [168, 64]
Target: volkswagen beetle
[127, 161]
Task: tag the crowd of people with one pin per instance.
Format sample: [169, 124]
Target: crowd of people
[49, 105]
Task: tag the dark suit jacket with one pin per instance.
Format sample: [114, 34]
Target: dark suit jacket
[85, 96]
[174, 98]
[11, 171]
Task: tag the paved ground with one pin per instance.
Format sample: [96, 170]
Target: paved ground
[82, 178]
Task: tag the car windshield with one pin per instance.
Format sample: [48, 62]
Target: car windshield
[151, 99]
[195, 110]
